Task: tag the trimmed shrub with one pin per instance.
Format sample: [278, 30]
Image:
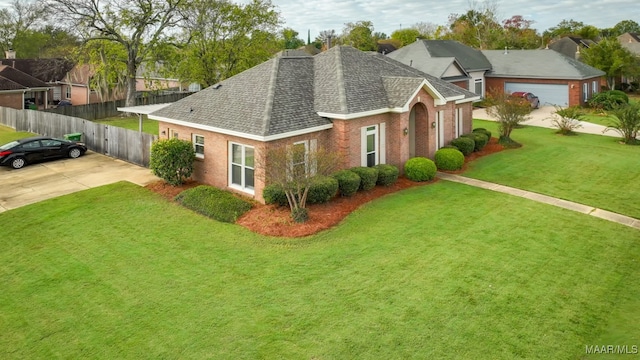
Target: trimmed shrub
[420, 169]
[322, 189]
[215, 203]
[484, 131]
[274, 194]
[608, 100]
[387, 174]
[368, 177]
[172, 160]
[348, 182]
[480, 140]
[449, 159]
[465, 144]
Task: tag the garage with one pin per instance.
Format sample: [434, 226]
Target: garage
[549, 94]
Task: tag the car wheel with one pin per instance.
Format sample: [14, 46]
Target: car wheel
[18, 163]
[75, 153]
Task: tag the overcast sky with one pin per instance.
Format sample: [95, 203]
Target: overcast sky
[390, 15]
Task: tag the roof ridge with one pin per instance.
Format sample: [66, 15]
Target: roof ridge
[342, 96]
[271, 90]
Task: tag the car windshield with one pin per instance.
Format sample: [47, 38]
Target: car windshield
[9, 145]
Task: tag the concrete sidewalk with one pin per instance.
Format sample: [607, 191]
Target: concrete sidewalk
[542, 118]
[585, 209]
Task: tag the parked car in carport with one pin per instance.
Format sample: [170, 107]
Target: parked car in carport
[532, 99]
[19, 153]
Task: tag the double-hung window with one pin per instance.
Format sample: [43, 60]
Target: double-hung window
[241, 162]
[585, 92]
[594, 87]
[198, 145]
[372, 145]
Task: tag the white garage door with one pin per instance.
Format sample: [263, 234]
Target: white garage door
[549, 94]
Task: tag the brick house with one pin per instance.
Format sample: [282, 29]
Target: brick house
[16, 88]
[369, 108]
[555, 78]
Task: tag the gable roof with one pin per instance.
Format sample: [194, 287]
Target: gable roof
[295, 95]
[632, 36]
[633, 47]
[568, 45]
[47, 70]
[12, 79]
[420, 53]
[541, 64]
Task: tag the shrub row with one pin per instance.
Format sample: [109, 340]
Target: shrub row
[473, 141]
[449, 159]
[213, 202]
[322, 189]
[420, 169]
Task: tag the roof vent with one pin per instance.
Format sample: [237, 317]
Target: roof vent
[506, 51]
[10, 54]
[217, 86]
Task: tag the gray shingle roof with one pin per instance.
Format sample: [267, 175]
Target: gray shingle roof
[13, 79]
[541, 64]
[286, 94]
[421, 52]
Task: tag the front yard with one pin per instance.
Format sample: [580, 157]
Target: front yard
[437, 271]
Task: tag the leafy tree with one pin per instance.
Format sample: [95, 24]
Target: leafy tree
[626, 26]
[172, 160]
[429, 30]
[359, 35]
[518, 34]
[564, 28]
[293, 168]
[17, 20]
[478, 27]
[609, 56]
[224, 39]
[106, 61]
[406, 36]
[589, 32]
[326, 39]
[137, 26]
[626, 122]
[509, 112]
[290, 39]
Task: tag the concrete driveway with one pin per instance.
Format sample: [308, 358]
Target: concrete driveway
[42, 181]
[542, 118]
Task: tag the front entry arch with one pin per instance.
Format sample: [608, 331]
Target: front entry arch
[418, 131]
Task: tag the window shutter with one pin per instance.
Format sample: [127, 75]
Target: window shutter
[313, 149]
[382, 159]
[363, 146]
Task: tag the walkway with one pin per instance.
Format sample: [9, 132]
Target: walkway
[542, 118]
[585, 209]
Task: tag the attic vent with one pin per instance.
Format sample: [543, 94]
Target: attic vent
[217, 86]
[506, 51]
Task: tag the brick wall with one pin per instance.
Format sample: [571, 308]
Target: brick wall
[12, 100]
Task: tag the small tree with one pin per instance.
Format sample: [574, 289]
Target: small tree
[293, 167]
[626, 122]
[509, 112]
[567, 119]
[172, 160]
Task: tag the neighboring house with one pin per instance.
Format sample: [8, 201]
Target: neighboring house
[448, 60]
[556, 79]
[50, 71]
[149, 79]
[367, 107]
[631, 42]
[629, 38]
[570, 46]
[19, 90]
[77, 86]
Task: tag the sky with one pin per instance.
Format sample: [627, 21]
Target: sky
[390, 15]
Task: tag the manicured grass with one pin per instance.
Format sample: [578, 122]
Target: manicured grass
[132, 123]
[438, 271]
[600, 119]
[7, 134]
[589, 169]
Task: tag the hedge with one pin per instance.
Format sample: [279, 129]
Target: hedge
[215, 203]
[348, 182]
[465, 144]
[449, 159]
[368, 177]
[322, 189]
[483, 131]
[387, 174]
[420, 169]
[479, 138]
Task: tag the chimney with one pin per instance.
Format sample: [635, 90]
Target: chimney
[10, 54]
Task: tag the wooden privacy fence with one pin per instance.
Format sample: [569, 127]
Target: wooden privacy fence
[108, 109]
[124, 144]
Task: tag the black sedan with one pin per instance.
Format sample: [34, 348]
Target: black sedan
[31, 150]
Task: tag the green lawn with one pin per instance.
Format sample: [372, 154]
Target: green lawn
[600, 119]
[438, 271]
[589, 169]
[7, 134]
[132, 123]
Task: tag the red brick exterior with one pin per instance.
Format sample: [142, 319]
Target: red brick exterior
[576, 97]
[12, 100]
[344, 138]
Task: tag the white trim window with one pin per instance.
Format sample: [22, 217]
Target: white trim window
[594, 87]
[372, 142]
[198, 145]
[241, 167]
[303, 157]
[585, 92]
[68, 91]
[459, 122]
[478, 87]
[439, 129]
